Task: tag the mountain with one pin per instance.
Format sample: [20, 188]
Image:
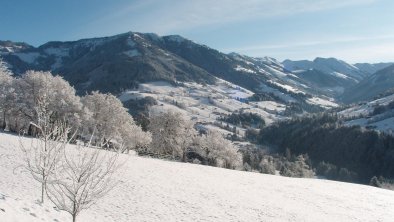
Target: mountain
[375, 84]
[120, 62]
[372, 67]
[117, 63]
[9, 46]
[331, 66]
[108, 64]
[332, 85]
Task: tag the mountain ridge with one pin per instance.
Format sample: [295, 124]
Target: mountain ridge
[119, 62]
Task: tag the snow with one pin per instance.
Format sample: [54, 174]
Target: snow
[29, 57]
[130, 42]
[340, 75]
[287, 87]
[9, 49]
[385, 125]
[382, 122]
[332, 66]
[137, 36]
[157, 190]
[366, 108]
[278, 93]
[202, 103]
[243, 69]
[270, 105]
[130, 94]
[132, 53]
[322, 102]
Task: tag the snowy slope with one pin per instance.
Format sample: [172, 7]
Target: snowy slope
[204, 102]
[372, 68]
[156, 190]
[328, 65]
[362, 115]
[370, 87]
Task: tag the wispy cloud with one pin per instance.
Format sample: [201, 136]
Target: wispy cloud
[176, 15]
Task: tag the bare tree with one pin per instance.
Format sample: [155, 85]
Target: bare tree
[83, 176]
[44, 153]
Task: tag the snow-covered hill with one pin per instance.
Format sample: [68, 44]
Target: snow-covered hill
[370, 87]
[205, 104]
[331, 66]
[372, 67]
[377, 114]
[157, 190]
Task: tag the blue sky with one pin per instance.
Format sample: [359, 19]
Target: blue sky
[352, 30]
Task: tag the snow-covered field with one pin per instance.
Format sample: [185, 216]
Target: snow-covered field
[382, 122]
[157, 190]
[205, 103]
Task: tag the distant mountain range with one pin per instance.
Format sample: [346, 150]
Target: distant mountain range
[120, 62]
[372, 86]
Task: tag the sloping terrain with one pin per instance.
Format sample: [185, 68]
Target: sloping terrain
[331, 85]
[157, 190]
[376, 114]
[108, 64]
[331, 66]
[372, 68]
[372, 86]
[117, 63]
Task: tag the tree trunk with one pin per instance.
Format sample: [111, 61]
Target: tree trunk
[184, 156]
[4, 124]
[74, 214]
[42, 193]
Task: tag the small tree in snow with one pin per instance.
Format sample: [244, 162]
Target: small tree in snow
[220, 151]
[43, 154]
[171, 134]
[82, 177]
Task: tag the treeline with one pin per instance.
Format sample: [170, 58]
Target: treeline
[336, 151]
[383, 108]
[36, 97]
[244, 119]
[39, 96]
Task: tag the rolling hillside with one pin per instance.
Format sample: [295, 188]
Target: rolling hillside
[157, 190]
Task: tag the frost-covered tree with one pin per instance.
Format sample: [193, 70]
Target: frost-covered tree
[53, 92]
[220, 151]
[83, 176]
[7, 94]
[172, 134]
[110, 121]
